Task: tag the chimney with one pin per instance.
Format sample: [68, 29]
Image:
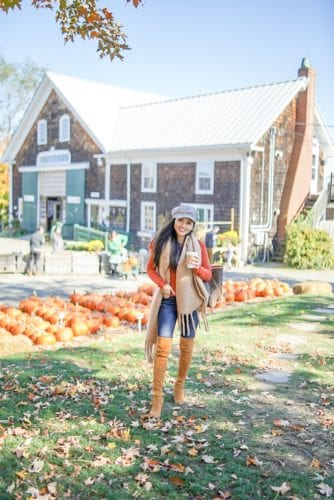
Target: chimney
[298, 178]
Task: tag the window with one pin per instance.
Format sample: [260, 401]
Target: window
[149, 177]
[42, 132]
[204, 212]
[64, 128]
[204, 177]
[117, 217]
[147, 219]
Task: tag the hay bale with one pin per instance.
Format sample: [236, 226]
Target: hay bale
[313, 288]
[12, 344]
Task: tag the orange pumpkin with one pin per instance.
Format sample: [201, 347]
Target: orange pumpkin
[64, 334]
[132, 316]
[114, 323]
[240, 295]
[45, 339]
[79, 327]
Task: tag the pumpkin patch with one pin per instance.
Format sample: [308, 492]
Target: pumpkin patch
[46, 321]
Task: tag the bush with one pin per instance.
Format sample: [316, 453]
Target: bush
[224, 239]
[95, 246]
[89, 246]
[308, 248]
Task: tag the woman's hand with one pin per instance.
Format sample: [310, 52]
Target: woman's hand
[167, 291]
[194, 262]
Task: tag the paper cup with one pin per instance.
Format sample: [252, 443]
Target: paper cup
[189, 256]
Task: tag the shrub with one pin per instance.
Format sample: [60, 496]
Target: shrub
[95, 246]
[89, 246]
[308, 248]
[228, 237]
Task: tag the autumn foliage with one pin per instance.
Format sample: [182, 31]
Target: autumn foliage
[85, 20]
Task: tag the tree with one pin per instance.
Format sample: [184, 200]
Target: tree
[17, 84]
[82, 18]
[3, 195]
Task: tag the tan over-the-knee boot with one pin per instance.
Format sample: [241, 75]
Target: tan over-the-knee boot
[163, 349]
[186, 353]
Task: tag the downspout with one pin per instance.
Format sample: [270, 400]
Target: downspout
[107, 182]
[262, 188]
[245, 177]
[128, 199]
[268, 224]
[10, 191]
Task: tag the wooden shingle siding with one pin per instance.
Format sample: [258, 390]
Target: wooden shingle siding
[118, 182]
[81, 146]
[227, 192]
[284, 139]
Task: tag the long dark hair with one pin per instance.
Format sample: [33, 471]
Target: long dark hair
[166, 233]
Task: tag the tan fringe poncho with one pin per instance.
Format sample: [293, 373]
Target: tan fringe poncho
[191, 294]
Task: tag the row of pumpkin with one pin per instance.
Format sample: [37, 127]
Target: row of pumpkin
[53, 319]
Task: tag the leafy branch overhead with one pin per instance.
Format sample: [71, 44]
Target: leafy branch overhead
[84, 19]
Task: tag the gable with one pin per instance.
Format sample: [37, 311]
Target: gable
[95, 105]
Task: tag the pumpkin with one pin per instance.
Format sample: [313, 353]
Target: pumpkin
[18, 328]
[94, 323]
[45, 339]
[114, 322]
[132, 316]
[64, 334]
[79, 327]
[113, 309]
[240, 295]
[229, 296]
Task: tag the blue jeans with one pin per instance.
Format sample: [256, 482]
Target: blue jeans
[167, 319]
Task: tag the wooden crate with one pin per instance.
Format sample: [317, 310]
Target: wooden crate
[58, 263]
[85, 263]
[8, 263]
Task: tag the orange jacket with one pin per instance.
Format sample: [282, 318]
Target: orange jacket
[204, 271]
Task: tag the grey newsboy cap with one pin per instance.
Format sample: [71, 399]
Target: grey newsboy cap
[185, 212]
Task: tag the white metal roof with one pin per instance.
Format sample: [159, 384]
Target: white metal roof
[226, 119]
[95, 104]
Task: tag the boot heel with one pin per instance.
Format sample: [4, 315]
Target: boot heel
[164, 346]
[157, 403]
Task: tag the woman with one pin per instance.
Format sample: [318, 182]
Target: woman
[181, 295]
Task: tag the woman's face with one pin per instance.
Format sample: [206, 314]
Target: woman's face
[183, 227]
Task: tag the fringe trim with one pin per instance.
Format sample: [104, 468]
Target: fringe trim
[150, 350]
[185, 321]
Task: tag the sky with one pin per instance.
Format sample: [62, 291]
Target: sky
[189, 47]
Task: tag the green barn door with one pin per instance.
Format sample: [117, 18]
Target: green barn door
[75, 199]
[29, 196]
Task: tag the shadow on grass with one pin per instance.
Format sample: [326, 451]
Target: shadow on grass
[78, 412]
[286, 309]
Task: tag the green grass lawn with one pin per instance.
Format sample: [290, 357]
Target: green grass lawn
[72, 425]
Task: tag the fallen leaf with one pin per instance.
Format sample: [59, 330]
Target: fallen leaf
[177, 481]
[177, 467]
[281, 490]
[21, 474]
[52, 488]
[208, 459]
[252, 460]
[277, 432]
[10, 488]
[316, 464]
[298, 428]
[222, 495]
[279, 422]
[89, 481]
[325, 489]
